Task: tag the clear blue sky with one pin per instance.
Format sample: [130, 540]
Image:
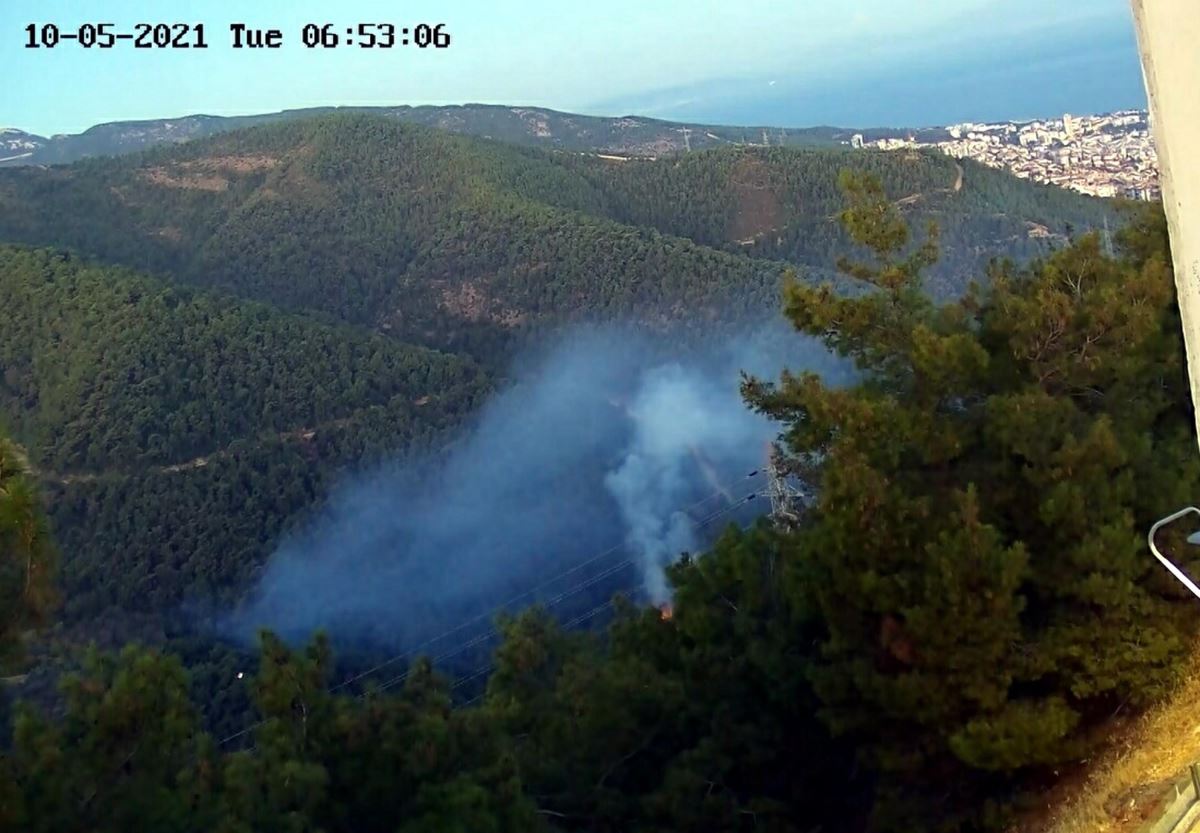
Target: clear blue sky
[685, 58]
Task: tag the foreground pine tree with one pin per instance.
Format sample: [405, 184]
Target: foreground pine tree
[27, 556]
[977, 549]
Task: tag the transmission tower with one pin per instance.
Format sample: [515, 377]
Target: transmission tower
[786, 499]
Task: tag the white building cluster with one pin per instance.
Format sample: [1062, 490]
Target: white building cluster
[1107, 156]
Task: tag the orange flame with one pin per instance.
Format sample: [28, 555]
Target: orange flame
[665, 611]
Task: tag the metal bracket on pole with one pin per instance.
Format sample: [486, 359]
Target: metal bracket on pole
[1192, 539]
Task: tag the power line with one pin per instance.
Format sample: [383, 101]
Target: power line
[486, 669]
[493, 631]
[726, 510]
[720, 492]
[471, 643]
[487, 615]
[478, 672]
[593, 612]
[575, 590]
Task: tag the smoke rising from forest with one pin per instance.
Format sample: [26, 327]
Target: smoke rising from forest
[601, 441]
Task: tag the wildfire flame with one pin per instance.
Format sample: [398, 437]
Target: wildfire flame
[665, 611]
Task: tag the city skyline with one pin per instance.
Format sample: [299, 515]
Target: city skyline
[1102, 155]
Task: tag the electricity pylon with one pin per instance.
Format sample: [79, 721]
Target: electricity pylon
[786, 499]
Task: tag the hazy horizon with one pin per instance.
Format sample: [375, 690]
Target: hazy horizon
[878, 63]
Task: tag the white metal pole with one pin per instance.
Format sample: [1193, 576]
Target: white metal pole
[1168, 33]
[1175, 571]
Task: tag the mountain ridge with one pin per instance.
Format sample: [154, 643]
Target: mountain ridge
[428, 234]
[533, 126]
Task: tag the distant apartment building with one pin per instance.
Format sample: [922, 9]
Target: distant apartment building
[1106, 156]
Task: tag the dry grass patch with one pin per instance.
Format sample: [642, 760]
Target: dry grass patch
[160, 176]
[1130, 783]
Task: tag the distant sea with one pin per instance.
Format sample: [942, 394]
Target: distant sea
[1097, 74]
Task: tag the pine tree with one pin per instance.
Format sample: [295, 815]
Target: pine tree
[976, 552]
[27, 556]
[127, 754]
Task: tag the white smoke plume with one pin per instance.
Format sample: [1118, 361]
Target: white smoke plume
[682, 418]
[604, 441]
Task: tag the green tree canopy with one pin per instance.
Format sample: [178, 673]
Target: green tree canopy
[976, 551]
[27, 556]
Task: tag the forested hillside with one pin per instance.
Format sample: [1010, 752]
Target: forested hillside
[782, 204]
[200, 423]
[207, 425]
[223, 327]
[462, 243]
[948, 628]
[372, 223]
